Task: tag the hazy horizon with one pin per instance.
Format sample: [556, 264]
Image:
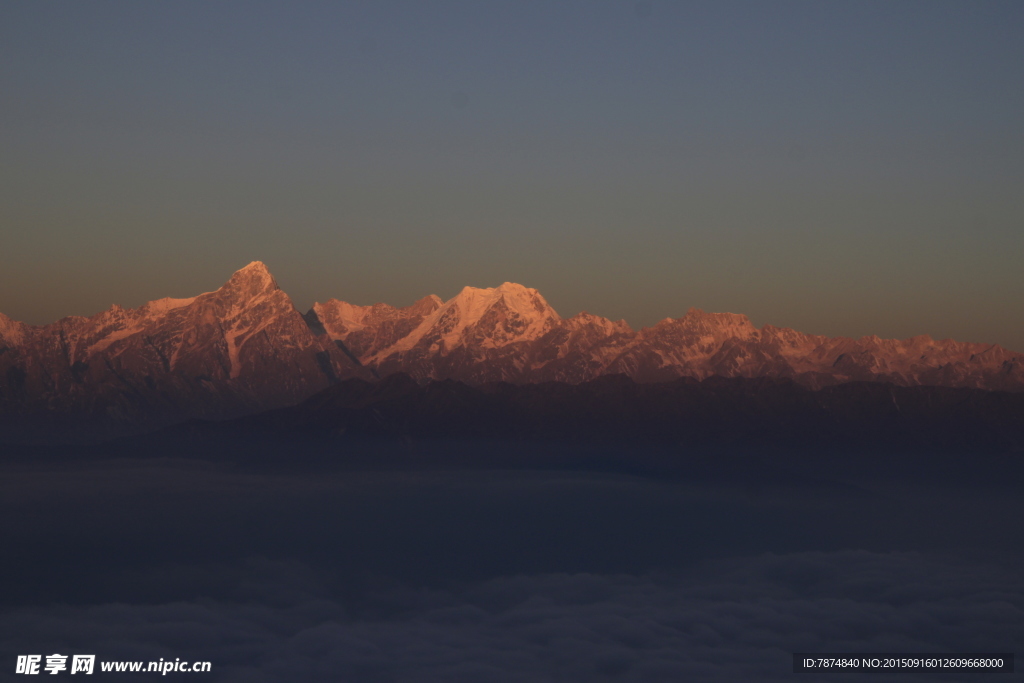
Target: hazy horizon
[135, 303]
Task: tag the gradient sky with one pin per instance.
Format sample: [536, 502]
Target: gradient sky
[841, 168]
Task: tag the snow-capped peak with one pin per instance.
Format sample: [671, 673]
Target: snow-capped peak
[473, 303]
[258, 267]
[252, 280]
[488, 318]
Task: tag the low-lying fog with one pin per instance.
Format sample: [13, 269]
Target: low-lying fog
[496, 576]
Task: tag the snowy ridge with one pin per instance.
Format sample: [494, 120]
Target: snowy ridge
[597, 323]
[161, 306]
[345, 316]
[492, 317]
[244, 347]
[365, 330]
[510, 333]
[238, 349]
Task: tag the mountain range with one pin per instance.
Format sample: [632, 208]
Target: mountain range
[245, 348]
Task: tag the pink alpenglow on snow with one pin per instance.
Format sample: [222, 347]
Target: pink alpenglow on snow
[245, 347]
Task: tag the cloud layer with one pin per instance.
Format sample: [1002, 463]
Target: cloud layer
[737, 619]
[493, 576]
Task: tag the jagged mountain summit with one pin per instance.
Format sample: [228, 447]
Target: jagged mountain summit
[510, 333]
[239, 349]
[245, 348]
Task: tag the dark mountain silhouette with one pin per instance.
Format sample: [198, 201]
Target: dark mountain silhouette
[759, 430]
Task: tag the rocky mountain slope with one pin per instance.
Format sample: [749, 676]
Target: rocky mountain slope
[737, 428]
[239, 349]
[245, 348]
[510, 333]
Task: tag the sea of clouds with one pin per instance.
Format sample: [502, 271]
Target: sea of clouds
[493, 576]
